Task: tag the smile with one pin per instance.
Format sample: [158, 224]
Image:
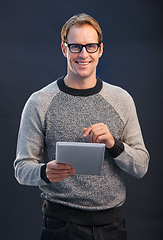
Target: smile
[82, 63]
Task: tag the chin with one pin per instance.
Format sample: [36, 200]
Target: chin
[83, 74]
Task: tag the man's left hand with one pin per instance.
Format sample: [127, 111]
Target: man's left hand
[99, 133]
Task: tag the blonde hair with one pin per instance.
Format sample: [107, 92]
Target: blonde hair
[80, 19]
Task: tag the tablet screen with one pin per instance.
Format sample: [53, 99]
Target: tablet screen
[86, 158]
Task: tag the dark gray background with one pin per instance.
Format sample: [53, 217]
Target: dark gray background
[31, 58]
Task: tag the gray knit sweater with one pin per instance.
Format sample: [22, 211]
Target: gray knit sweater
[59, 113]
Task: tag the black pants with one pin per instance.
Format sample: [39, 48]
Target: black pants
[59, 230]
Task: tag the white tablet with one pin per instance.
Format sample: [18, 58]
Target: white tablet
[86, 158]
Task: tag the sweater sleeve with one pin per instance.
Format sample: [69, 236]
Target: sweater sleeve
[135, 157]
[30, 146]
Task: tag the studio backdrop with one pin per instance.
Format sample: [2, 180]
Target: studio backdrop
[31, 58]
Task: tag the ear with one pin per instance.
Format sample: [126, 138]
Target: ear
[64, 49]
[101, 50]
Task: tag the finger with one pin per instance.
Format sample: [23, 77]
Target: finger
[60, 175]
[101, 138]
[104, 139]
[86, 131]
[56, 177]
[59, 171]
[97, 134]
[60, 166]
[91, 137]
[89, 129]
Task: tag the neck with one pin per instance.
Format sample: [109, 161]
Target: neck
[80, 83]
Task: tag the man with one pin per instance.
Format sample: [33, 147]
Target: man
[80, 108]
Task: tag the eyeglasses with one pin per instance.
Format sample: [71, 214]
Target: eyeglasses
[77, 48]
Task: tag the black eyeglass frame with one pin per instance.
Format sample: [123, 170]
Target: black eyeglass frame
[81, 46]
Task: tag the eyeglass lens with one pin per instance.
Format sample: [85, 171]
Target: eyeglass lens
[76, 48]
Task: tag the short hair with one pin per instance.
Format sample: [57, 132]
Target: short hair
[80, 19]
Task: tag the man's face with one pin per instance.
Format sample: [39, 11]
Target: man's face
[83, 64]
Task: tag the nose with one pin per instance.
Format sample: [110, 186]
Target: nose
[83, 53]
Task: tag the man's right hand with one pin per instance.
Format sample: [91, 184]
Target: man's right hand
[56, 172]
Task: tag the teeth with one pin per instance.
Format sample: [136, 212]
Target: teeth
[83, 63]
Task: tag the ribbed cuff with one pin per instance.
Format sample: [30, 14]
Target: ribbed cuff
[117, 149]
[43, 174]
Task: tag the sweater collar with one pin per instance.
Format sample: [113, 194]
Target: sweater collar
[79, 92]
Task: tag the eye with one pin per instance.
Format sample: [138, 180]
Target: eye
[75, 47]
[91, 47]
